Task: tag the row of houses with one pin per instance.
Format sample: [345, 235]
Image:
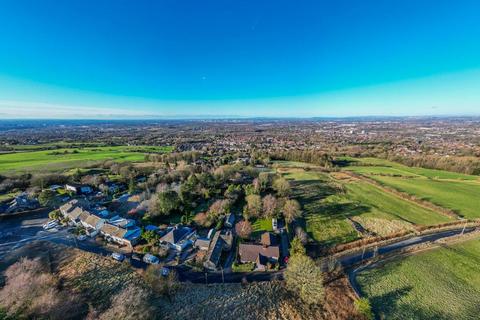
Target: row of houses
[118, 230]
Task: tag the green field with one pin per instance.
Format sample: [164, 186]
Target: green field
[381, 166]
[262, 225]
[455, 191]
[329, 212]
[69, 158]
[387, 206]
[438, 284]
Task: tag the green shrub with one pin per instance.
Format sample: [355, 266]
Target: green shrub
[243, 267]
[364, 308]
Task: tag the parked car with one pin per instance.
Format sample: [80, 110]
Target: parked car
[118, 256]
[274, 224]
[150, 258]
[50, 225]
[81, 237]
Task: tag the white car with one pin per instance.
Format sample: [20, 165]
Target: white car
[118, 256]
[50, 225]
[81, 237]
[274, 224]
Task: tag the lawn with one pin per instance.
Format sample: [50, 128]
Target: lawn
[438, 284]
[262, 225]
[245, 267]
[70, 158]
[455, 191]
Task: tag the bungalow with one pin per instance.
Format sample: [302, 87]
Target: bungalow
[178, 238]
[260, 254]
[91, 222]
[73, 209]
[74, 215]
[78, 188]
[120, 235]
[222, 241]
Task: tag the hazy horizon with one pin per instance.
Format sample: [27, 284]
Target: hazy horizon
[222, 59]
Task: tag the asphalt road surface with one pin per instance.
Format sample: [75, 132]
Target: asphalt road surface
[354, 259]
[357, 257]
[20, 230]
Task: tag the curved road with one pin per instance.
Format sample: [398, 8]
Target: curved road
[17, 231]
[351, 260]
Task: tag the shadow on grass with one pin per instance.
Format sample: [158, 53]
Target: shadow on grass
[389, 306]
[386, 305]
[344, 163]
[326, 219]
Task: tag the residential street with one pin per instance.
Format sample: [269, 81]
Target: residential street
[17, 231]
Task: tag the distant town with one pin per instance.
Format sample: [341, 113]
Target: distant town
[300, 207]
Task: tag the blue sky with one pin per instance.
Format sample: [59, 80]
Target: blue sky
[100, 59]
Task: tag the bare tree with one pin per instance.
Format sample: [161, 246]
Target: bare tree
[301, 234]
[31, 291]
[131, 303]
[254, 205]
[291, 210]
[270, 206]
[282, 186]
[244, 229]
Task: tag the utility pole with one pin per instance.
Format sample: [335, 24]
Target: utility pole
[206, 281]
[223, 277]
[363, 253]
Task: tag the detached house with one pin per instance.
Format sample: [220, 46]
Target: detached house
[222, 241]
[260, 254]
[121, 236]
[178, 238]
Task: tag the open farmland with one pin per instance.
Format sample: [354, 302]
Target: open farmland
[324, 220]
[69, 158]
[333, 204]
[386, 208]
[381, 166]
[455, 191]
[438, 284]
